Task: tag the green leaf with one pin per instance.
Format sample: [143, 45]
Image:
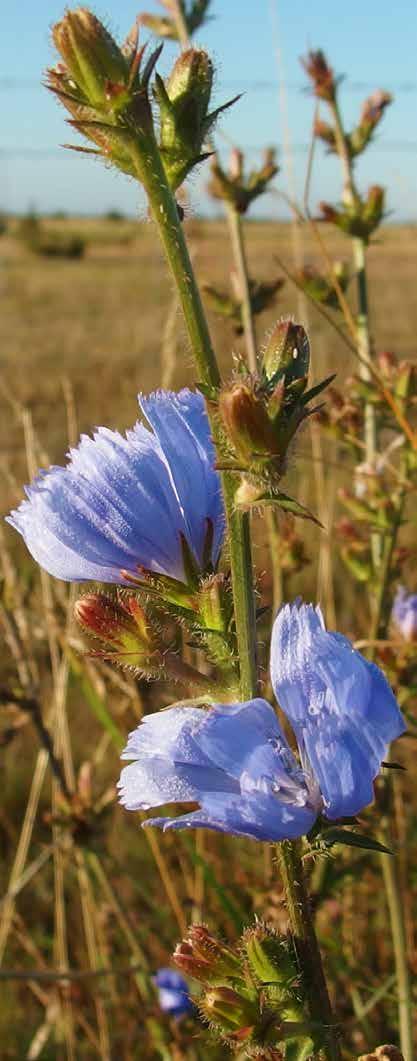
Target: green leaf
[312, 393]
[345, 836]
[289, 504]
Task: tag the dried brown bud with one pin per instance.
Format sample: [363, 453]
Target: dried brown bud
[321, 74]
[121, 625]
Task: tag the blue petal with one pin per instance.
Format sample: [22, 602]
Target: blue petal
[181, 424]
[169, 978]
[404, 613]
[293, 634]
[247, 741]
[116, 505]
[170, 734]
[341, 706]
[259, 817]
[154, 781]
[233, 761]
[169, 765]
[173, 993]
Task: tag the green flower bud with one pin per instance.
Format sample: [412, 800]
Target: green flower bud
[91, 56]
[271, 958]
[185, 122]
[236, 187]
[373, 211]
[358, 218]
[287, 353]
[103, 87]
[235, 1014]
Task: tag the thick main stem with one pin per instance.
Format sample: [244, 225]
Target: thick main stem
[164, 210]
[239, 254]
[306, 945]
[165, 214]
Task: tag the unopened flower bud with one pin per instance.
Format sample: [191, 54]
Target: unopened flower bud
[237, 187]
[374, 206]
[190, 963]
[325, 132]
[371, 115]
[91, 56]
[207, 958]
[387, 363]
[271, 958]
[321, 286]
[321, 74]
[231, 1011]
[247, 423]
[103, 87]
[287, 352]
[121, 625]
[185, 121]
[374, 107]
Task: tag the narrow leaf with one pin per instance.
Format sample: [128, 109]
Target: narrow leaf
[351, 839]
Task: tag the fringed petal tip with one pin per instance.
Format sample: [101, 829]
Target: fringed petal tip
[126, 502]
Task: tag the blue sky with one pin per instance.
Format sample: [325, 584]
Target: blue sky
[373, 44]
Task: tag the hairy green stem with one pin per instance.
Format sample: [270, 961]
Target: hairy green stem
[165, 213]
[164, 210]
[306, 945]
[239, 254]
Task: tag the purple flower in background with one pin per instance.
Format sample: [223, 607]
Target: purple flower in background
[173, 993]
[404, 613]
[234, 760]
[126, 503]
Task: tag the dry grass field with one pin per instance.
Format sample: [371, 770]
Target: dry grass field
[78, 340]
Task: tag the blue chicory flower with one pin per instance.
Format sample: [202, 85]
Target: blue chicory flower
[234, 760]
[126, 503]
[173, 993]
[404, 613]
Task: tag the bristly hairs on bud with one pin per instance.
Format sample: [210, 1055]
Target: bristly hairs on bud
[185, 122]
[130, 638]
[103, 86]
